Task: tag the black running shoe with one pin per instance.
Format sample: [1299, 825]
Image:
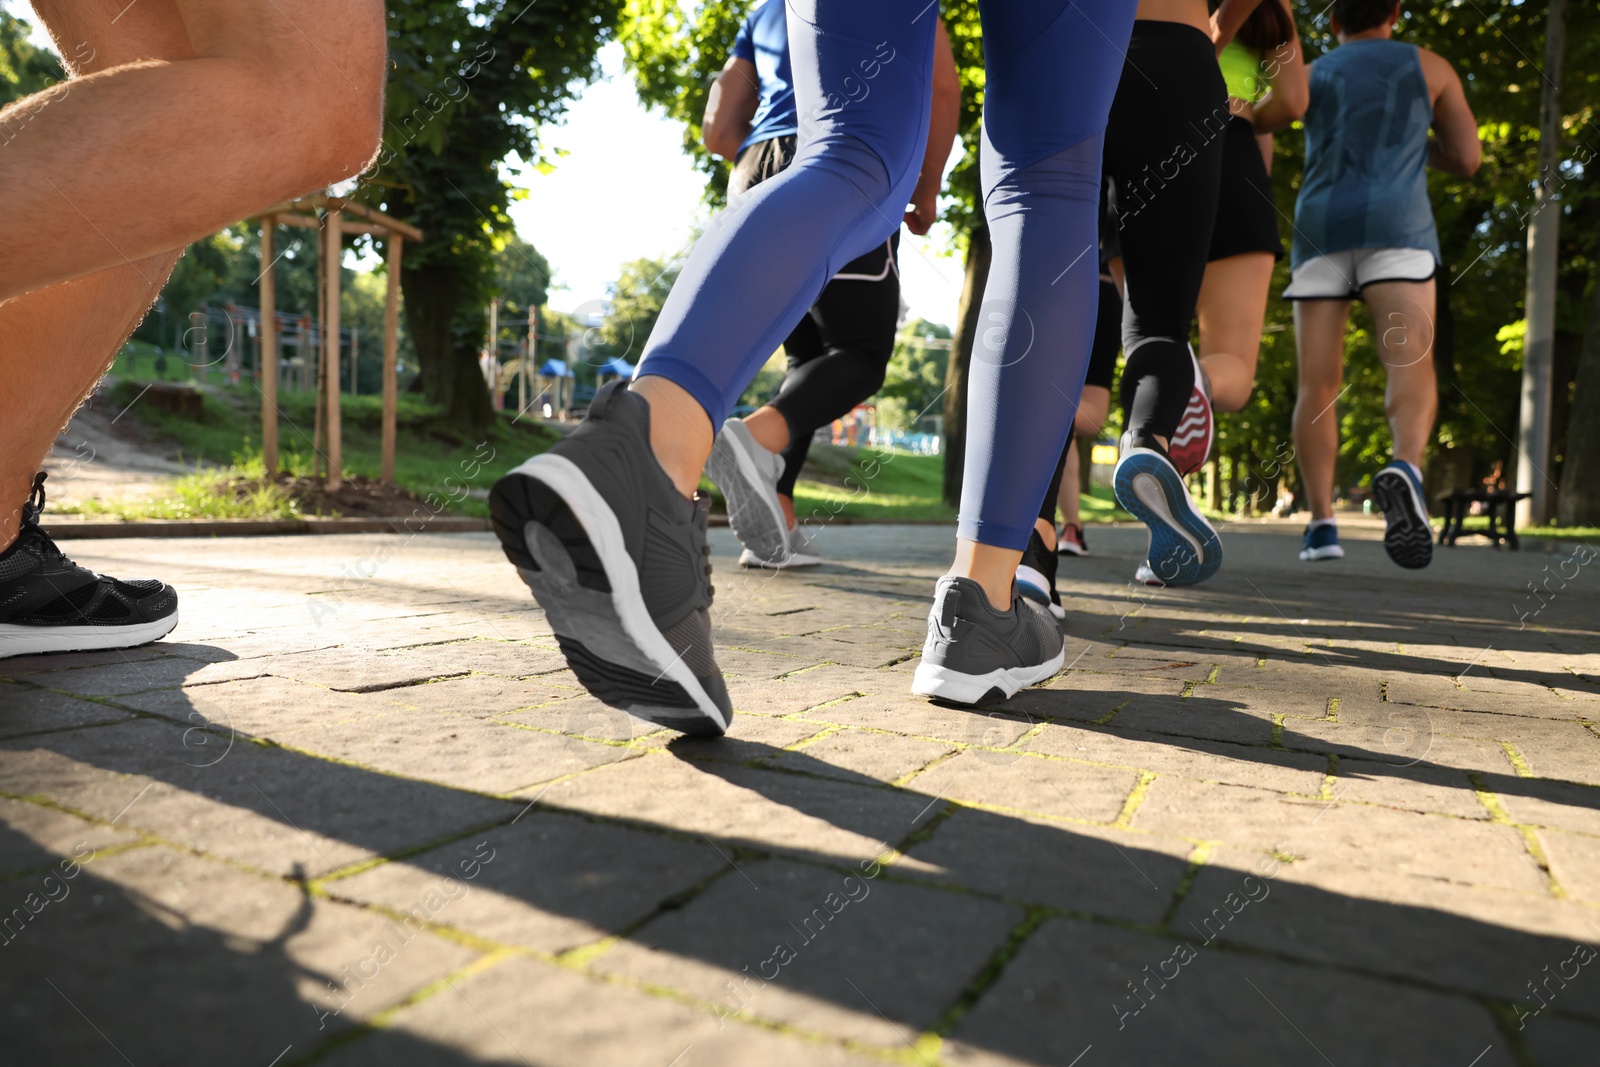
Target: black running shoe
[1407, 537]
[1036, 576]
[618, 560]
[50, 604]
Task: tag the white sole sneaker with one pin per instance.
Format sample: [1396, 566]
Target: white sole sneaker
[36, 640]
[944, 683]
[750, 561]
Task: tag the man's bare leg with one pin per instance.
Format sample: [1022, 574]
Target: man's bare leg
[1402, 318]
[91, 173]
[56, 342]
[1319, 343]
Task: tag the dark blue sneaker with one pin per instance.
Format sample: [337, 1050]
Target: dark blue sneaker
[1407, 538]
[1322, 542]
[1184, 549]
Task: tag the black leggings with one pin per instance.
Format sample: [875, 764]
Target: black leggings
[1102, 367]
[840, 350]
[1163, 161]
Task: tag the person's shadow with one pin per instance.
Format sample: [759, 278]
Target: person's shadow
[740, 877]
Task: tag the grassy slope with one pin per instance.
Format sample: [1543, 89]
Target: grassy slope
[229, 433]
[860, 483]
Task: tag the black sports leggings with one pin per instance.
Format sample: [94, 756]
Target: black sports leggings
[839, 351]
[1163, 161]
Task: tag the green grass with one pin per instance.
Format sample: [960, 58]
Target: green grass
[1480, 523]
[430, 459]
[209, 494]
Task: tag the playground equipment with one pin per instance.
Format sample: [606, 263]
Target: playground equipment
[333, 224]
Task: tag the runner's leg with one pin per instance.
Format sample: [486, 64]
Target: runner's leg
[1232, 311]
[1319, 343]
[93, 179]
[1402, 317]
[862, 83]
[1052, 70]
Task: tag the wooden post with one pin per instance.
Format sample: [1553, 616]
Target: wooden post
[529, 365]
[333, 247]
[199, 350]
[391, 341]
[269, 352]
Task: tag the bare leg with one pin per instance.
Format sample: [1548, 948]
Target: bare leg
[1319, 342]
[1232, 310]
[1402, 317]
[1092, 409]
[54, 345]
[770, 429]
[55, 341]
[63, 335]
[92, 176]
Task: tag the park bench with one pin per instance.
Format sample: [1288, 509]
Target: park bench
[1500, 505]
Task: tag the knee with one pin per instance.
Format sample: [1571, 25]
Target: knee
[324, 101]
[873, 375]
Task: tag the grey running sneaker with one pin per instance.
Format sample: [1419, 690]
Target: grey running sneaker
[803, 550]
[748, 476]
[802, 553]
[618, 560]
[50, 604]
[975, 654]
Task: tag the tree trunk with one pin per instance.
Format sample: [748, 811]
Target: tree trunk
[1539, 298]
[1580, 474]
[447, 350]
[979, 254]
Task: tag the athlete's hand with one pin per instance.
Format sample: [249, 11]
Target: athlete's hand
[924, 211]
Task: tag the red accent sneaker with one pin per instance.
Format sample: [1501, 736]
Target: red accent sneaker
[1191, 442]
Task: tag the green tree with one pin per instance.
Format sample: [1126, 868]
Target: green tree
[471, 84]
[634, 304]
[914, 380]
[24, 69]
[521, 275]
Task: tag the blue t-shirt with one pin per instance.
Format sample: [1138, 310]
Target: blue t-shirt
[764, 41]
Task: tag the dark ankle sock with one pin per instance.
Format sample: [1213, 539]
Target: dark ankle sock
[1156, 384]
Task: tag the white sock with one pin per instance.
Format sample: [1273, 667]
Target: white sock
[1413, 469]
[1323, 522]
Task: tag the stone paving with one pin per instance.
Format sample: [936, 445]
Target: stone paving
[356, 811]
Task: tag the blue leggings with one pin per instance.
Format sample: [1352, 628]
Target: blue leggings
[862, 75]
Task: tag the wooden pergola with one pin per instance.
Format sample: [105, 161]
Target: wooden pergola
[303, 212]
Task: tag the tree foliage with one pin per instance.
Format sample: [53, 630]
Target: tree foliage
[630, 313]
[471, 82]
[24, 68]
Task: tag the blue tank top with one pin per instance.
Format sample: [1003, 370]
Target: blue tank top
[764, 41]
[1366, 182]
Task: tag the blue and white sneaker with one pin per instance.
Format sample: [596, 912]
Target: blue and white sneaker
[1322, 542]
[1408, 538]
[1184, 549]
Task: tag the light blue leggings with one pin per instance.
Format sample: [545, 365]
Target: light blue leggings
[862, 71]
